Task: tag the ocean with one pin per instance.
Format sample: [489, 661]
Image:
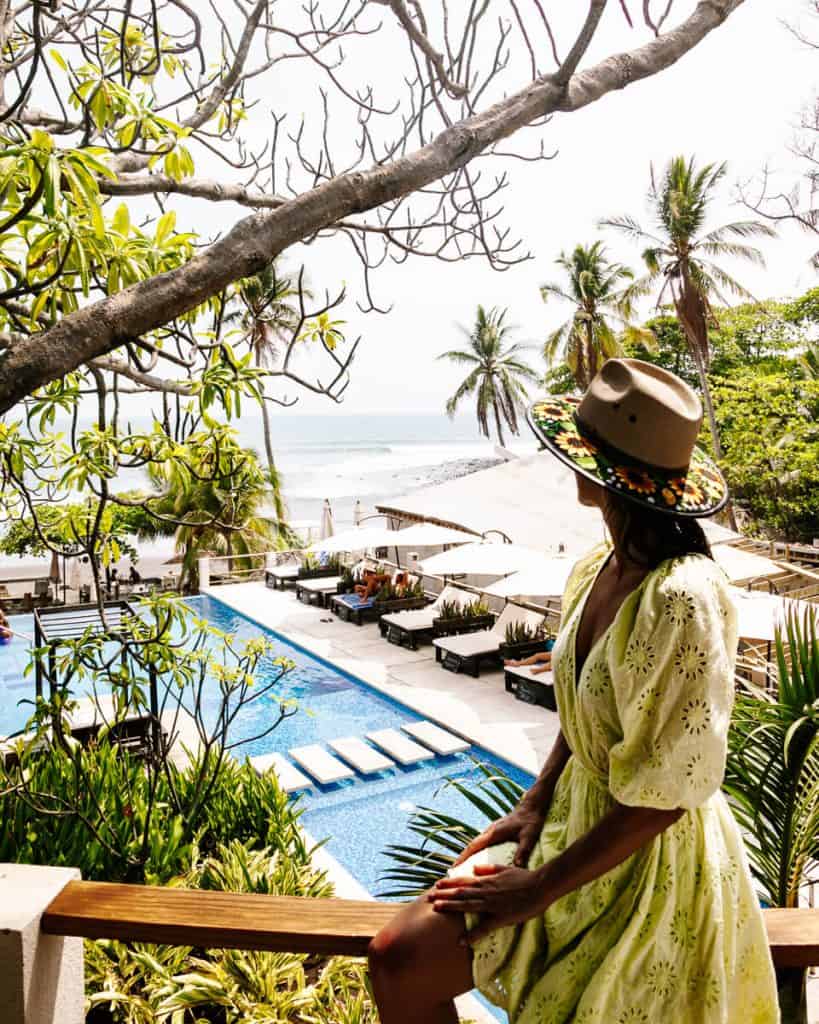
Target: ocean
[346, 458]
[341, 457]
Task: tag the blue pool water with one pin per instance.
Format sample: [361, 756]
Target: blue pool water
[358, 817]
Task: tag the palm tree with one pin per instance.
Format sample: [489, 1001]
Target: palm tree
[214, 498]
[680, 259]
[497, 373]
[594, 288]
[267, 315]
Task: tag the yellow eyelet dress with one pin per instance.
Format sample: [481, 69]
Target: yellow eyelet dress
[674, 933]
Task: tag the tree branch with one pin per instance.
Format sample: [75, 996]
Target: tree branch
[97, 329]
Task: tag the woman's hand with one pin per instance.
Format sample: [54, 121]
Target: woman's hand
[522, 826]
[502, 895]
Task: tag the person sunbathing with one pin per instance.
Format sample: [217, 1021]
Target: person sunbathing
[543, 659]
[372, 583]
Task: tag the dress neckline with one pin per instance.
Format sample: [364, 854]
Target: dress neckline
[577, 673]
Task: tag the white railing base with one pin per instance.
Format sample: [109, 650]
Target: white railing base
[41, 976]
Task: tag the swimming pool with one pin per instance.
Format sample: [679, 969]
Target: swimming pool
[359, 816]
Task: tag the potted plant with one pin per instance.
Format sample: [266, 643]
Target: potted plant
[404, 597]
[348, 581]
[312, 568]
[772, 783]
[454, 617]
[522, 640]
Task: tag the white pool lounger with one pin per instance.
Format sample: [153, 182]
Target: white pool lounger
[431, 735]
[360, 755]
[289, 776]
[402, 748]
[321, 764]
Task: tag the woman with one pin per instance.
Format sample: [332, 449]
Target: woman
[617, 892]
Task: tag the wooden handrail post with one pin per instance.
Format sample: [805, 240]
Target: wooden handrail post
[41, 975]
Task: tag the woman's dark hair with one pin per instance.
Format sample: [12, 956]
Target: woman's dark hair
[649, 537]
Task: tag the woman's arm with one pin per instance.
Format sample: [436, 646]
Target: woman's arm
[510, 895]
[523, 824]
[539, 795]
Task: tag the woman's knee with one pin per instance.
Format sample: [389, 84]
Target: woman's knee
[392, 951]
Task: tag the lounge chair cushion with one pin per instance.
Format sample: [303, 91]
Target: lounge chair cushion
[468, 644]
[354, 602]
[412, 621]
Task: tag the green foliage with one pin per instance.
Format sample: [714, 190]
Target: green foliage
[804, 310]
[64, 525]
[475, 609]
[146, 984]
[757, 336]
[770, 434]
[450, 610]
[594, 287]
[497, 376]
[117, 816]
[98, 810]
[522, 632]
[443, 837]
[214, 491]
[772, 777]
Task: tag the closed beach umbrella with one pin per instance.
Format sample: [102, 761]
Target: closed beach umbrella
[483, 559]
[327, 528]
[54, 571]
[430, 535]
[546, 579]
[358, 539]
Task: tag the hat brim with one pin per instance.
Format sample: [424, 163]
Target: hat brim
[698, 492]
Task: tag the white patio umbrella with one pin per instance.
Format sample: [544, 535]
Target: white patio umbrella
[430, 535]
[546, 579]
[357, 513]
[327, 528]
[743, 565]
[759, 614]
[483, 559]
[358, 539]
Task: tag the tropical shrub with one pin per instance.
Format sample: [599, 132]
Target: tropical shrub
[770, 432]
[522, 633]
[772, 777]
[443, 836]
[147, 984]
[98, 810]
[122, 818]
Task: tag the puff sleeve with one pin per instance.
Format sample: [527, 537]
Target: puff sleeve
[672, 669]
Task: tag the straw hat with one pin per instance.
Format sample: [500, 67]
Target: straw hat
[635, 432]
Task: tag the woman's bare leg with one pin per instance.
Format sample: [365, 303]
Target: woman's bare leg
[417, 966]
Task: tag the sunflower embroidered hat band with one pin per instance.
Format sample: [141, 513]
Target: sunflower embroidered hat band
[634, 432]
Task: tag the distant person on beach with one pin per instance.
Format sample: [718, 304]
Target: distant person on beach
[618, 890]
[133, 575]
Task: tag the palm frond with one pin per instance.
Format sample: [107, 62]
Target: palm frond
[740, 229]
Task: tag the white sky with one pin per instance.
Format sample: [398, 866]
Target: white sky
[736, 97]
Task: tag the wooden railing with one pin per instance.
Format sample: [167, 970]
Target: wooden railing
[193, 917]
